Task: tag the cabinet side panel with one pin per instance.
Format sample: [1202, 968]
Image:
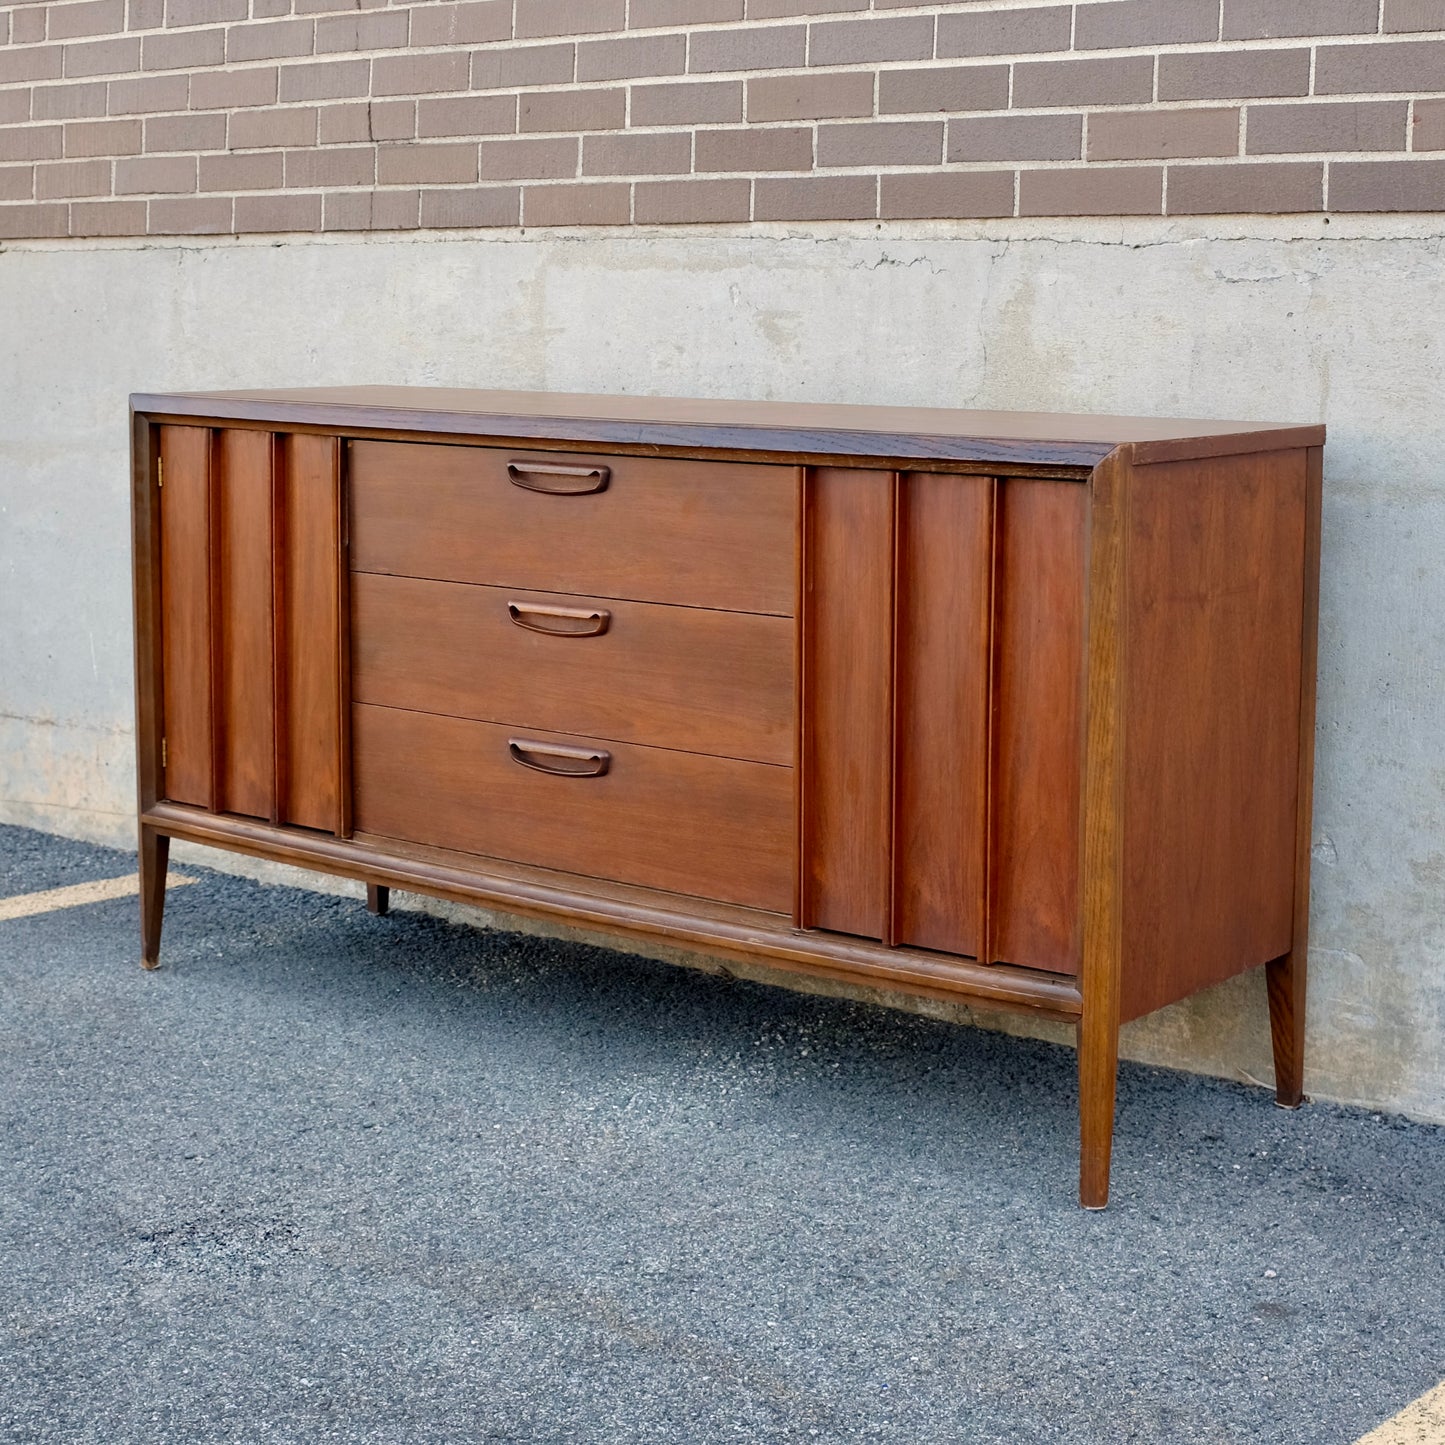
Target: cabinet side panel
[311, 619]
[944, 586]
[847, 707]
[244, 593]
[185, 497]
[1038, 720]
[1213, 620]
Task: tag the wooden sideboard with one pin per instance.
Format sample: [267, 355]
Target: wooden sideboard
[1015, 710]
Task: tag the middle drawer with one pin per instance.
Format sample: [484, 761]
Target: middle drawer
[719, 683]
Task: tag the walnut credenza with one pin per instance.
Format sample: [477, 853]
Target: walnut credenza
[1009, 709]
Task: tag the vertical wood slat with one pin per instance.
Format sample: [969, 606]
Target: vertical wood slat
[309, 659]
[1037, 725]
[185, 598]
[944, 620]
[245, 583]
[848, 548]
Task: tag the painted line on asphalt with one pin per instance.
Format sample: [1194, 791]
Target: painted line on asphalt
[1421, 1422]
[27, 905]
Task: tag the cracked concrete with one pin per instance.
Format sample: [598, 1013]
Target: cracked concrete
[1290, 319]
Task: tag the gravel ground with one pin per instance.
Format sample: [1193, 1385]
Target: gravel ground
[327, 1177]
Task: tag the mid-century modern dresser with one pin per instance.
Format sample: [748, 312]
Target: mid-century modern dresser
[1010, 709]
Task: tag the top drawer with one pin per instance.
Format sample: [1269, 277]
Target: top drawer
[701, 534]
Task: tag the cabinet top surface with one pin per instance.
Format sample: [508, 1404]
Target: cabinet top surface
[781, 428]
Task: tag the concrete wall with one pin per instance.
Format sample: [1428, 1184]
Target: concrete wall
[1294, 320]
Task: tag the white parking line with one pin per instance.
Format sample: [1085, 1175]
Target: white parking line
[1420, 1423]
[26, 905]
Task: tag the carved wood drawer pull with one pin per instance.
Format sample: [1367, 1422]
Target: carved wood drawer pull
[560, 621]
[558, 478]
[559, 760]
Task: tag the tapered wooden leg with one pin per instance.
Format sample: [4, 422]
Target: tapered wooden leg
[1098, 1071]
[155, 852]
[1286, 979]
[378, 899]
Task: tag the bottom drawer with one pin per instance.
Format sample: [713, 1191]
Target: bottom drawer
[710, 827]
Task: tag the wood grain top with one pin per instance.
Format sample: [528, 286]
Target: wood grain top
[777, 428]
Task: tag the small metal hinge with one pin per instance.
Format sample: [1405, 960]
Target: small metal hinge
[163, 752]
[160, 472]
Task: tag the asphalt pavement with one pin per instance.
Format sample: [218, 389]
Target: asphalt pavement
[327, 1177]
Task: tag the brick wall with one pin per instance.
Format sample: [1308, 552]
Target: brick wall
[128, 117]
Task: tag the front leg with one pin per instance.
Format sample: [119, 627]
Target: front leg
[155, 852]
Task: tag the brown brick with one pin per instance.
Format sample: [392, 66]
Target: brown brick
[17, 183]
[144, 14]
[771, 47]
[235, 89]
[642, 55]
[473, 24]
[525, 65]
[269, 40]
[847, 42]
[1356, 125]
[104, 138]
[815, 198]
[691, 103]
[647, 14]
[811, 97]
[254, 171]
[190, 216]
[956, 196]
[1016, 138]
[108, 218]
[32, 143]
[1429, 127]
[568, 17]
[155, 175]
[269, 9]
[943, 87]
[373, 30]
[393, 119]
[184, 50]
[1392, 66]
[371, 211]
[43, 62]
[1272, 188]
[1145, 22]
[483, 206]
[261, 214]
[602, 203]
[551, 110]
[788, 149]
[691, 202]
[1387, 185]
[530, 159]
[186, 132]
[352, 121]
[92, 17]
[1281, 19]
[27, 25]
[59, 180]
[15, 106]
[325, 80]
[1234, 74]
[27, 222]
[1146, 135]
[467, 115]
[1092, 191]
[1032, 31]
[881, 143]
[203, 12]
[399, 165]
[255, 129]
[777, 9]
[1121, 80]
[331, 166]
[67, 102]
[420, 74]
[661, 153]
[1403, 16]
[102, 57]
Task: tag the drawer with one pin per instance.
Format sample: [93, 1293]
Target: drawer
[703, 534]
[709, 827]
[639, 672]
